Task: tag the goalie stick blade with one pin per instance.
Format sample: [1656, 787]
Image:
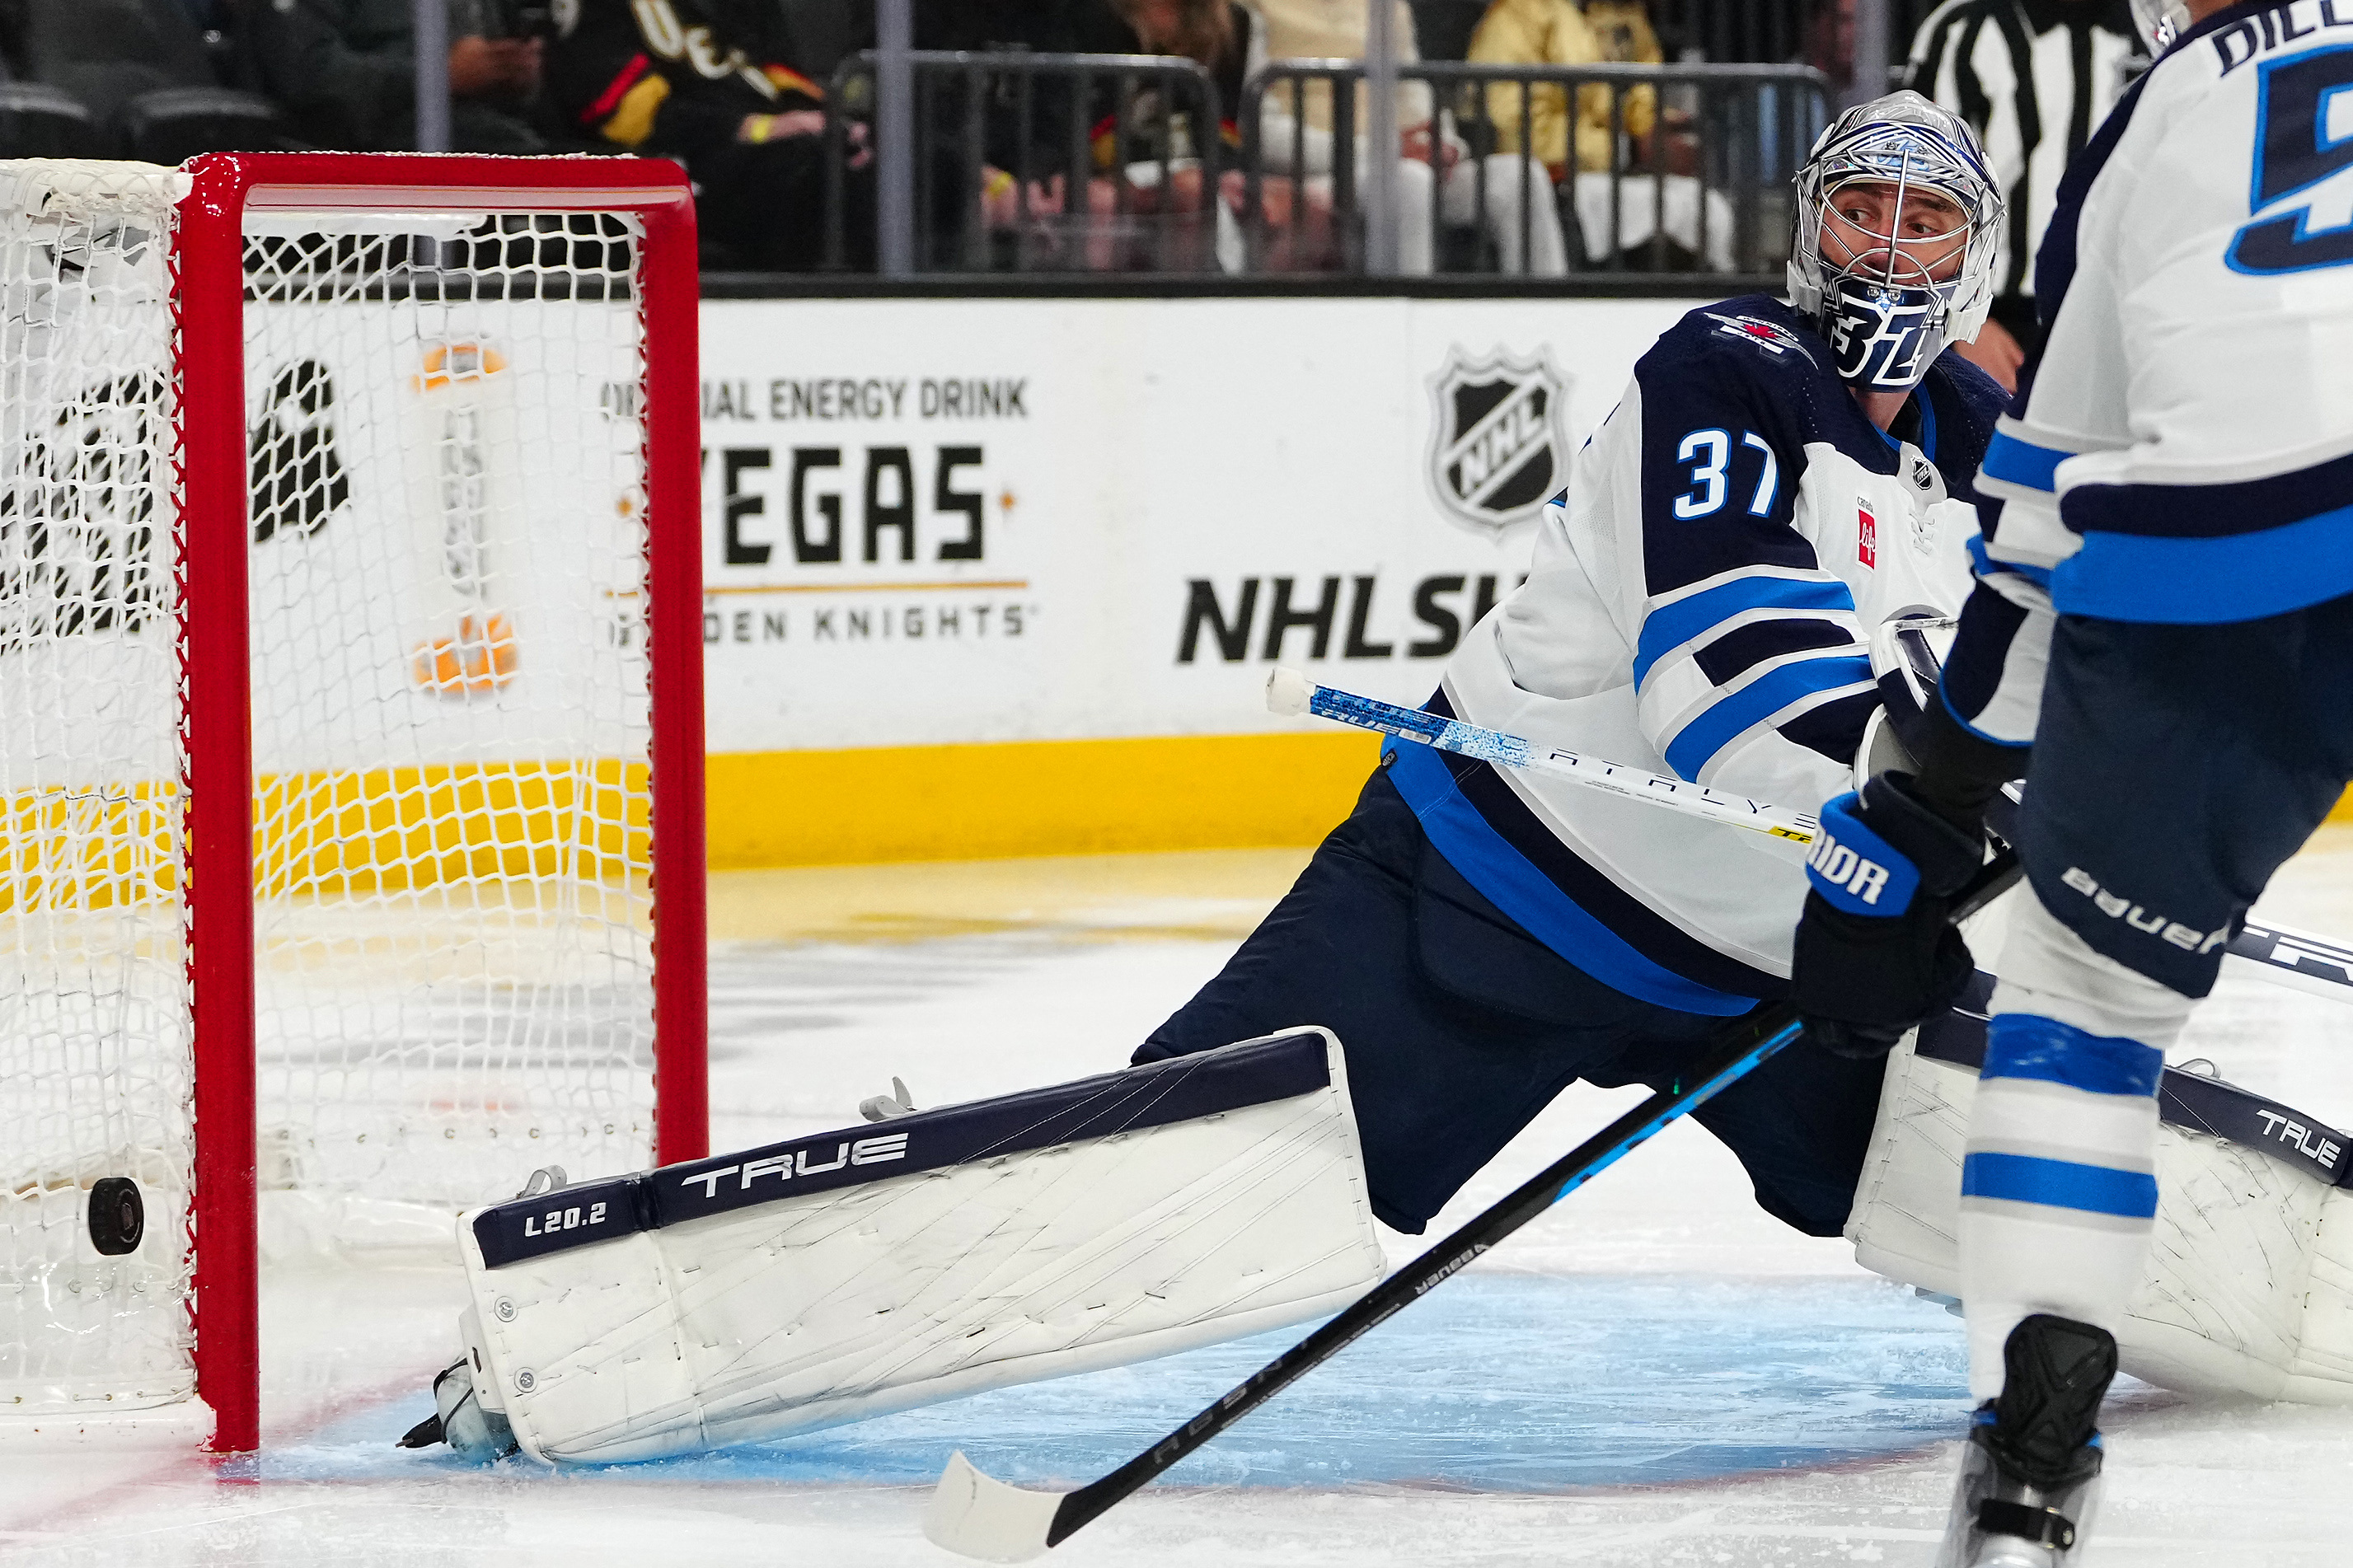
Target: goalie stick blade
[977, 1516]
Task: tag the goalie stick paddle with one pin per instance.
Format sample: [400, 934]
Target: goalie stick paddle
[978, 1516]
[2297, 959]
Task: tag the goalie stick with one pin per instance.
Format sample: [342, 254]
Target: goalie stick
[2297, 959]
[1289, 691]
[978, 1516]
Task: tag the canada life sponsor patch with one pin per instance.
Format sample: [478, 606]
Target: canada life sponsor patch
[1866, 534]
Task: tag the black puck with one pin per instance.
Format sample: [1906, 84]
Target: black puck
[117, 1216]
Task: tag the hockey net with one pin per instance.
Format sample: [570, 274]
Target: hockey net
[453, 782]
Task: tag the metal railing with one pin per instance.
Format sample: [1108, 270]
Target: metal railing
[1093, 145]
[1694, 179]
[1076, 163]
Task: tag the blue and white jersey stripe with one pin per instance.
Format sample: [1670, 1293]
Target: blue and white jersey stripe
[2202, 553]
[1702, 689]
[1768, 696]
[1682, 622]
[2015, 465]
[1699, 603]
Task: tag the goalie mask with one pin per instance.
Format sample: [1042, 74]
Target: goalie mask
[2160, 22]
[1898, 217]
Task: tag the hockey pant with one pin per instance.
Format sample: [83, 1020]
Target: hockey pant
[2175, 768]
[1459, 1028]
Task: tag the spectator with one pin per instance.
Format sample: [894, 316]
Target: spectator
[1625, 31]
[1556, 33]
[1829, 42]
[1635, 186]
[1038, 143]
[1214, 34]
[709, 83]
[1295, 130]
[1025, 122]
[345, 72]
[2035, 77]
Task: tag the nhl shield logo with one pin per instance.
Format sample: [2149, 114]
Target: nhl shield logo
[1498, 449]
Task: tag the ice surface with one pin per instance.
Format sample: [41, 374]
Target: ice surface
[1654, 1374]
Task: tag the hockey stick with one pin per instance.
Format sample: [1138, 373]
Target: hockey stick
[1289, 691]
[978, 1516]
[2298, 960]
[2295, 959]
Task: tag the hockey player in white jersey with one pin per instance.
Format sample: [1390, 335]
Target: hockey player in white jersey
[2161, 643]
[1779, 480]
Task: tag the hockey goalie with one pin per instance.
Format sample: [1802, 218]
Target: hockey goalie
[1741, 586]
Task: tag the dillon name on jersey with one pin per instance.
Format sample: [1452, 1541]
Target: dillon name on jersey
[1700, 602]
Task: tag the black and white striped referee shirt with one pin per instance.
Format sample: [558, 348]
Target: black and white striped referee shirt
[2035, 77]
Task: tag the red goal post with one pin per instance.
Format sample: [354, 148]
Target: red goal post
[428, 328]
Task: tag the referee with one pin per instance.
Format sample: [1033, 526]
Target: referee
[2035, 77]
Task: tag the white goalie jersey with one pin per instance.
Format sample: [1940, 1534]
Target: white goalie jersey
[1701, 603]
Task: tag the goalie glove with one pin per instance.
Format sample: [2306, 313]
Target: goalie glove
[1876, 950]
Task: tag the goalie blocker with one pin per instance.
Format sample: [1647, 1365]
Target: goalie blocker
[758, 1295]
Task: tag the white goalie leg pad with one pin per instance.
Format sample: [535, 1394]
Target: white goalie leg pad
[754, 1296]
[2249, 1283]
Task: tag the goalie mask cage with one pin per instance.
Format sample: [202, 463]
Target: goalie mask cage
[398, 456]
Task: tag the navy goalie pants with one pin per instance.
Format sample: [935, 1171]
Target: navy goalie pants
[1459, 1027]
[2175, 768]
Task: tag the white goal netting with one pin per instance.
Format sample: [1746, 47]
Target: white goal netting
[449, 720]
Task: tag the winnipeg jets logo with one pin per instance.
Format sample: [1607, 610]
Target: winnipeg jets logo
[1879, 335]
[1770, 336]
[1498, 448]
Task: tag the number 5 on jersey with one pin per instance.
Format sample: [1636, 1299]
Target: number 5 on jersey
[1709, 454]
[2304, 134]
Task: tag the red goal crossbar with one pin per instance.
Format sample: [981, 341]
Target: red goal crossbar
[210, 450]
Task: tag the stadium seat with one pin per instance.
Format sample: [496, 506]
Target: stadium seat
[173, 124]
[147, 75]
[37, 121]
